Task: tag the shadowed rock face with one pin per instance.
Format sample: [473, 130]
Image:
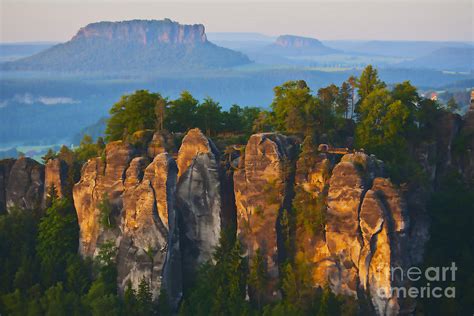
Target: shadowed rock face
[5, 167]
[25, 185]
[199, 202]
[261, 190]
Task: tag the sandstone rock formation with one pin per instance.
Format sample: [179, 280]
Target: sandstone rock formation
[143, 222]
[56, 172]
[261, 193]
[144, 32]
[101, 182]
[199, 202]
[365, 233]
[147, 200]
[25, 184]
[383, 222]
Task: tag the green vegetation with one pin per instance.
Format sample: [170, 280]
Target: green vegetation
[143, 110]
[41, 272]
[451, 240]
[105, 211]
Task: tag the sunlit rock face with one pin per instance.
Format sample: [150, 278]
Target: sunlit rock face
[142, 223]
[261, 192]
[101, 181]
[312, 181]
[346, 189]
[199, 202]
[365, 234]
[25, 185]
[383, 222]
[147, 201]
[56, 172]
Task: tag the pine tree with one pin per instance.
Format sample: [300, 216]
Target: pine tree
[258, 278]
[144, 298]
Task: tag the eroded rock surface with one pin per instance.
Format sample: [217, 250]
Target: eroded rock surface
[56, 172]
[101, 182]
[199, 202]
[261, 192]
[25, 185]
[147, 200]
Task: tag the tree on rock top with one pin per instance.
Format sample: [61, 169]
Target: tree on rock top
[134, 112]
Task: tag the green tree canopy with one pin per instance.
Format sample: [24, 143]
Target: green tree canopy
[132, 113]
[368, 82]
[181, 113]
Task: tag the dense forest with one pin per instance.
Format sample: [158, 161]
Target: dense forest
[41, 272]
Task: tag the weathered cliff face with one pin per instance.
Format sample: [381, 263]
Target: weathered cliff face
[365, 231]
[141, 196]
[25, 184]
[262, 189]
[147, 201]
[144, 32]
[101, 182]
[383, 222]
[199, 202]
[56, 172]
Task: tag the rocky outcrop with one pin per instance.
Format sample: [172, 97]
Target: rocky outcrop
[139, 197]
[147, 201]
[56, 172]
[199, 202]
[144, 32]
[25, 185]
[262, 190]
[101, 182]
[365, 233]
[384, 222]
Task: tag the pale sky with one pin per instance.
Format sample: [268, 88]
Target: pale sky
[59, 20]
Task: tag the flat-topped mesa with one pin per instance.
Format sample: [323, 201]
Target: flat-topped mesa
[261, 186]
[145, 32]
[293, 41]
[199, 201]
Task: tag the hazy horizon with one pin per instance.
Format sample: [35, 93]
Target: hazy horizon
[53, 21]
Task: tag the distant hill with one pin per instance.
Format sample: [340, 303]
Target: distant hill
[243, 42]
[13, 51]
[291, 45]
[411, 49]
[138, 45]
[448, 58]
